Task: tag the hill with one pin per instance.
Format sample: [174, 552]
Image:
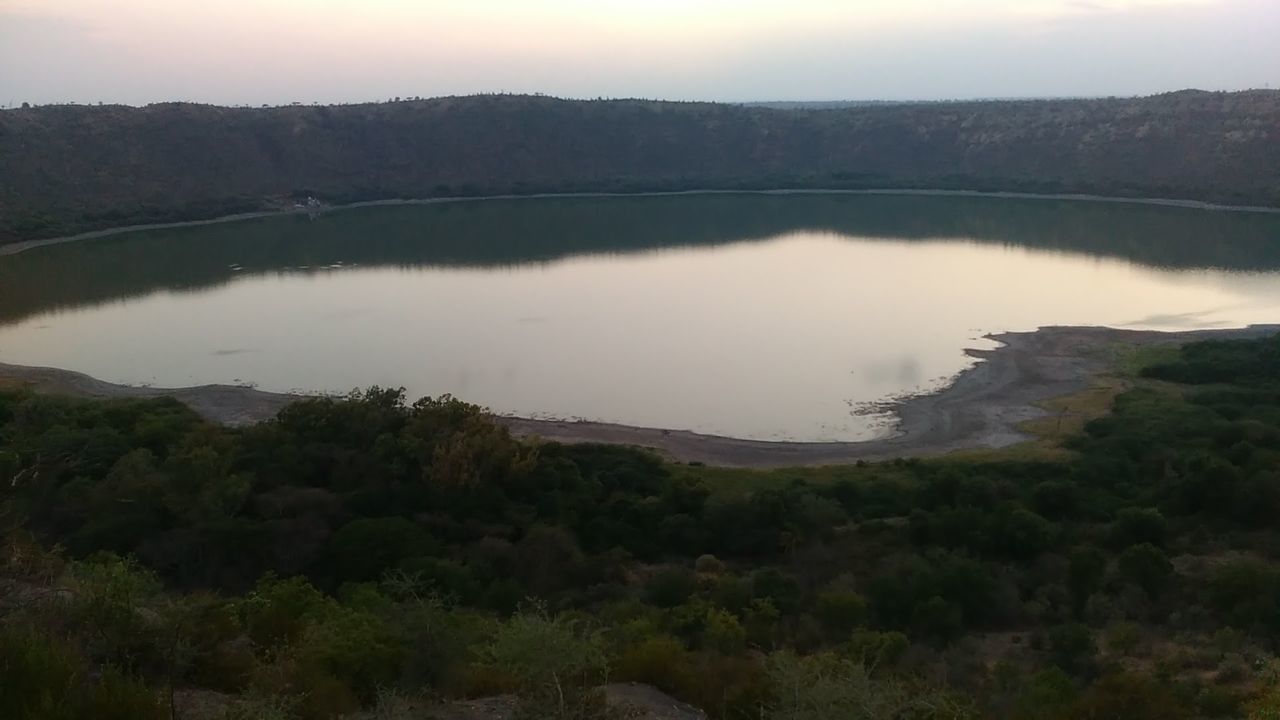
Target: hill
[74, 168]
[364, 558]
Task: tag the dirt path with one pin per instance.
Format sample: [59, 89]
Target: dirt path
[982, 408]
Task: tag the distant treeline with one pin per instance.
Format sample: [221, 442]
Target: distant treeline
[75, 168]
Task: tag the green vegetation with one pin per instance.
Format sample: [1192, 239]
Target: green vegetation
[363, 555]
[74, 168]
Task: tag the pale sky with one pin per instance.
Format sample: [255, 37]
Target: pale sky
[282, 51]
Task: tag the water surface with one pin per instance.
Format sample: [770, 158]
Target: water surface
[758, 316]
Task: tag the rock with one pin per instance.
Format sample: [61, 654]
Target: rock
[645, 702]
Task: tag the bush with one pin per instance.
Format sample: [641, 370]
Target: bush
[1139, 525]
[1123, 638]
[1128, 696]
[117, 696]
[723, 633]
[277, 611]
[938, 620]
[44, 680]
[1146, 566]
[708, 565]
[821, 687]
[778, 588]
[874, 650]
[363, 549]
[357, 648]
[554, 660]
[840, 611]
[670, 587]
[1073, 649]
[1085, 570]
[1245, 593]
[37, 676]
[661, 661]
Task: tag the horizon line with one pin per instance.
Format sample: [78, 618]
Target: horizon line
[16, 105]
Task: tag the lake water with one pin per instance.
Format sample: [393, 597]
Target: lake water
[756, 316]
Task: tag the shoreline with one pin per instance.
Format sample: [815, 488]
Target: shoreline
[981, 408]
[25, 245]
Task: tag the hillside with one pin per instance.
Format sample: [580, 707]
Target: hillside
[364, 558]
[74, 168]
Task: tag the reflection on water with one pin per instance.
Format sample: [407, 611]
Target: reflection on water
[755, 316]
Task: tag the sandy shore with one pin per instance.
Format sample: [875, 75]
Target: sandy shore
[982, 408]
[227, 404]
[23, 246]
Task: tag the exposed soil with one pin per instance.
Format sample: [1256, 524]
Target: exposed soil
[226, 404]
[982, 408]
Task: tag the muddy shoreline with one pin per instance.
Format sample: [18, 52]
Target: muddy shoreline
[982, 408]
[25, 245]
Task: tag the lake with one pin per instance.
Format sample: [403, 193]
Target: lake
[763, 316]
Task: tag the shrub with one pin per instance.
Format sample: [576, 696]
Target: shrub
[670, 587]
[1085, 570]
[37, 675]
[1146, 566]
[778, 588]
[1139, 525]
[840, 611]
[552, 659]
[708, 565]
[117, 696]
[1123, 638]
[723, 633]
[45, 680]
[1128, 696]
[108, 598]
[820, 687]
[1073, 649]
[277, 611]
[875, 650]
[661, 661]
[937, 620]
[363, 549]
[357, 648]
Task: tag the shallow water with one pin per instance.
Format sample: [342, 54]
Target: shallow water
[757, 316]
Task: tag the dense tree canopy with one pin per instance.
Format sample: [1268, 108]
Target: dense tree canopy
[356, 552]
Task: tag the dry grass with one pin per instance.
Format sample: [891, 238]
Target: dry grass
[1067, 417]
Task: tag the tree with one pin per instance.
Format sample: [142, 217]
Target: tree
[670, 587]
[777, 587]
[1139, 525]
[840, 611]
[1022, 533]
[938, 620]
[1073, 648]
[1146, 566]
[1085, 569]
[365, 548]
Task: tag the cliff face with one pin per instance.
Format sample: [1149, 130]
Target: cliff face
[73, 168]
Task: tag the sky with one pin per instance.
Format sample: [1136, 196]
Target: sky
[255, 52]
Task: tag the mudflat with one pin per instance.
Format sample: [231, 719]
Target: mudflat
[982, 408]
